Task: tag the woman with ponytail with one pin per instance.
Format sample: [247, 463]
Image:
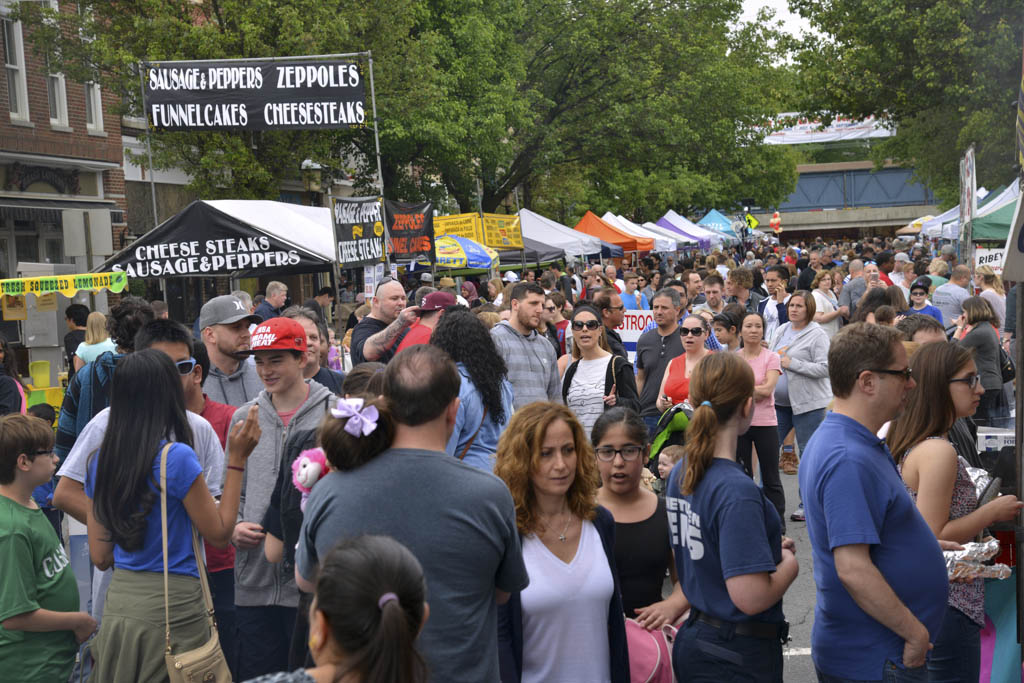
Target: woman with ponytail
[370, 606]
[727, 539]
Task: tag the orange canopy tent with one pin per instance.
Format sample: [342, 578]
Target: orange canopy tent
[592, 225]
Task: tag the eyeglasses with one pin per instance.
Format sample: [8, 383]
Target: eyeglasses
[695, 331]
[44, 451]
[905, 373]
[628, 453]
[971, 381]
[185, 367]
[590, 324]
[383, 281]
[616, 308]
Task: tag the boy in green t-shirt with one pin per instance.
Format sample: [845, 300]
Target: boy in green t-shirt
[40, 627]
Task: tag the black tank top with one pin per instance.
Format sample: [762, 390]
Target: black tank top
[642, 556]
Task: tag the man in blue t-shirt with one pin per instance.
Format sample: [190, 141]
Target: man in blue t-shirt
[878, 567]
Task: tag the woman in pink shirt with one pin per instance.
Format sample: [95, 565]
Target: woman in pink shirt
[763, 432]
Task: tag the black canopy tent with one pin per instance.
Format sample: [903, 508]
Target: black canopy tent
[535, 252]
[237, 238]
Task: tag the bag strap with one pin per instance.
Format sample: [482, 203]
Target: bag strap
[196, 549]
[473, 438]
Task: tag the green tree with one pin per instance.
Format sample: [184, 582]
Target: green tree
[944, 73]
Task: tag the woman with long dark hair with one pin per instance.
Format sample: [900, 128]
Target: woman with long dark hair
[369, 606]
[148, 423]
[485, 396]
[948, 387]
[727, 539]
[12, 391]
[642, 550]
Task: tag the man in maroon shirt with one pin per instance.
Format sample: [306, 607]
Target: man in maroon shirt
[219, 561]
[430, 312]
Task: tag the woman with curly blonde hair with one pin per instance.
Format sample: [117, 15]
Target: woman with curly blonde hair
[568, 624]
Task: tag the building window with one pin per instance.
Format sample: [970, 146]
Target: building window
[58, 94]
[93, 108]
[14, 63]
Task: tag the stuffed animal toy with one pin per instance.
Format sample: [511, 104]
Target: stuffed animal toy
[307, 469]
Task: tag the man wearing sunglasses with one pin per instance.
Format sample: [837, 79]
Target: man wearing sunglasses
[880, 574]
[609, 304]
[377, 336]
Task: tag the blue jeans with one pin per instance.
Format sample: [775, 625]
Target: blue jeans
[956, 655]
[652, 424]
[804, 424]
[705, 654]
[891, 673]
[263, 639]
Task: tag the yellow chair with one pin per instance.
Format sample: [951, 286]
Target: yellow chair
[39, 370]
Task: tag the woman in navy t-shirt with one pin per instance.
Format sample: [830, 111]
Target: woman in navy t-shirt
[729, 551]
[147, 410]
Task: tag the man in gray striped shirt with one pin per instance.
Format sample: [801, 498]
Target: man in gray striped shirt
[530, 357]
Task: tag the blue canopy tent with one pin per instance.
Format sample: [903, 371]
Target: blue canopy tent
[716, 221]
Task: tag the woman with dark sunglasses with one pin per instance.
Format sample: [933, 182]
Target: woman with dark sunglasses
[675, 385]
[595, 380]
[948, 387]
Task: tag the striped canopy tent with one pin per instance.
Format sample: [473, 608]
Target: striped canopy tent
[592, 225]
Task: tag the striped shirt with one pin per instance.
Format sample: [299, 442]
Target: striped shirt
[532, 365]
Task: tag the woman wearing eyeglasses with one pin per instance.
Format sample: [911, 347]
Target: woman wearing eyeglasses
[975, 329]
[675, 385]
[733, 561]
[642, 549]
[948, 387]
[595, 380]
[567, 625]
[803, 390]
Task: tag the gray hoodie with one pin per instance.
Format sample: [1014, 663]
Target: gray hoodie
[259, 583]
[236, 389]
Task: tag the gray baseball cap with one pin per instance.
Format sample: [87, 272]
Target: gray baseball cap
[225, 310]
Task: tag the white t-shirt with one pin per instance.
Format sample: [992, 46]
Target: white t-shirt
[827, 304]
[207, 447]
[565, 612]
[586, 393]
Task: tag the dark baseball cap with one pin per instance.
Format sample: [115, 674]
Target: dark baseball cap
[437, 301]
[924, 282]
[225, 310]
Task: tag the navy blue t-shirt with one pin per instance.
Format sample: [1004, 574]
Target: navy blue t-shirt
[854, 495]
[726, 528]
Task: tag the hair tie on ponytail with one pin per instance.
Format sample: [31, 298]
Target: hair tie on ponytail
[708, 404]
[385, 599]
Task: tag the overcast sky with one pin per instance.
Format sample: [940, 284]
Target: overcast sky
[791, 22]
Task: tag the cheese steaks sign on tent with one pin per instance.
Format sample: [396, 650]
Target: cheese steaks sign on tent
[255, 94]
[359, 225]
[411, 227]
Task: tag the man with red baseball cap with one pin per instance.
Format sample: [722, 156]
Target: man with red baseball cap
[430, 312]
[266, 598]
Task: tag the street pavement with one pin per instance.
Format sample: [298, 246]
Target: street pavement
[798, 604]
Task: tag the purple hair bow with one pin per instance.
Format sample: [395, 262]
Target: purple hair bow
[361, 421]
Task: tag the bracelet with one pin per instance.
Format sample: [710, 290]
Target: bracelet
[236, 467]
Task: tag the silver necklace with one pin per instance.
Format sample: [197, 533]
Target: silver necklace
[562, 537]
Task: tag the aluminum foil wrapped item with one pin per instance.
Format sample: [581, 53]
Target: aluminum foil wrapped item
[980, 478]
[963, 565]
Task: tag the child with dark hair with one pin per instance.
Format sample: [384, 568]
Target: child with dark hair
[40, 625]
[44, 411]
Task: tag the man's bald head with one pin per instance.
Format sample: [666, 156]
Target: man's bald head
[420, 383]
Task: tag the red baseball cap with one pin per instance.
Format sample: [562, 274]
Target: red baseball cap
[278, 334]
[436, 301]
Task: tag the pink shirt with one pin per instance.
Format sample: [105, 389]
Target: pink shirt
[764, 408]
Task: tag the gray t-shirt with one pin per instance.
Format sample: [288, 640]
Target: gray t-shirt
[653, 352]
[460, 524]
[949, 299]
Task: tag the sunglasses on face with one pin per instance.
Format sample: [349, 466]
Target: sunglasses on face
[695, 331]
[905, 373]
[590, 324]
[186, 366]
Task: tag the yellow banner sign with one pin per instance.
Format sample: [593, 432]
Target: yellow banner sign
[502, 231]
[461, 225]
[68, 285]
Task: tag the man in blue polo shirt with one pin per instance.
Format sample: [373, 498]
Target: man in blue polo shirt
[879, 571]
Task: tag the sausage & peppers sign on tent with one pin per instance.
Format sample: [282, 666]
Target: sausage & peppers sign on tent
[225, 237]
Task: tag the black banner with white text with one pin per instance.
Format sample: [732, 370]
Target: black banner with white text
[255, 95]
[359, 226]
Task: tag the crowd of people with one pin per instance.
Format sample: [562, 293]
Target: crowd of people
[482, 481]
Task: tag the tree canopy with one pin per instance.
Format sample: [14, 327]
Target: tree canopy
[945, 73]
[634, 107]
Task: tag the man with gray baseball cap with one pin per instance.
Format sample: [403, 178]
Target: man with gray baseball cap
[224, 324]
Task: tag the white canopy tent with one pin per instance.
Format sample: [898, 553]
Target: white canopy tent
[691, 228]
[951, 229]
[575, 244]
[661, 243]
[308, 227]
